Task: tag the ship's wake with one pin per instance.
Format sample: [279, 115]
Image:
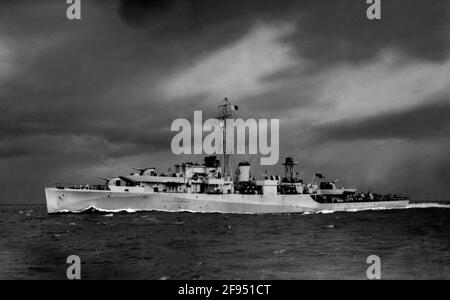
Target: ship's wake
[409, 206]
[417, 205]
[92, 208]
[428, 205]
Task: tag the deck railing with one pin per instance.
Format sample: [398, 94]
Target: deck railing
[78, 186]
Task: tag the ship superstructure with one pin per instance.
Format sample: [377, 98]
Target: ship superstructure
[210, 187]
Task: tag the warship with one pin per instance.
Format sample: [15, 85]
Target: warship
[208, 187]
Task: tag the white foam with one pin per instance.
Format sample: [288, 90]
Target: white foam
[325, 211]
[409, 206]
[128, 210]
[428, 205]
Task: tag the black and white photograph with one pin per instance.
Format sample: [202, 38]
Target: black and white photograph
[240, 142]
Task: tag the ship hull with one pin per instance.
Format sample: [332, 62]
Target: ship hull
[76, 200]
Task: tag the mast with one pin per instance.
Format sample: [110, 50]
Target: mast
[224, 114]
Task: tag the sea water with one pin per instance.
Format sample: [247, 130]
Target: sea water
[412, 243]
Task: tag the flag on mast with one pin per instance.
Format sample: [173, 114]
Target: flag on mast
[227, 102]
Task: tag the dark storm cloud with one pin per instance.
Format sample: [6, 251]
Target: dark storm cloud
[131, 132]
[197, 16]
[428, 121]
[339, 30]
[81, 93]
[71, 83]
[327, 31]
[40, 109]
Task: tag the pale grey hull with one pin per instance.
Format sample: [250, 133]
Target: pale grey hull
[75, 200]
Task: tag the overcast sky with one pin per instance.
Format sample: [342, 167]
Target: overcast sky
[363, 101]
